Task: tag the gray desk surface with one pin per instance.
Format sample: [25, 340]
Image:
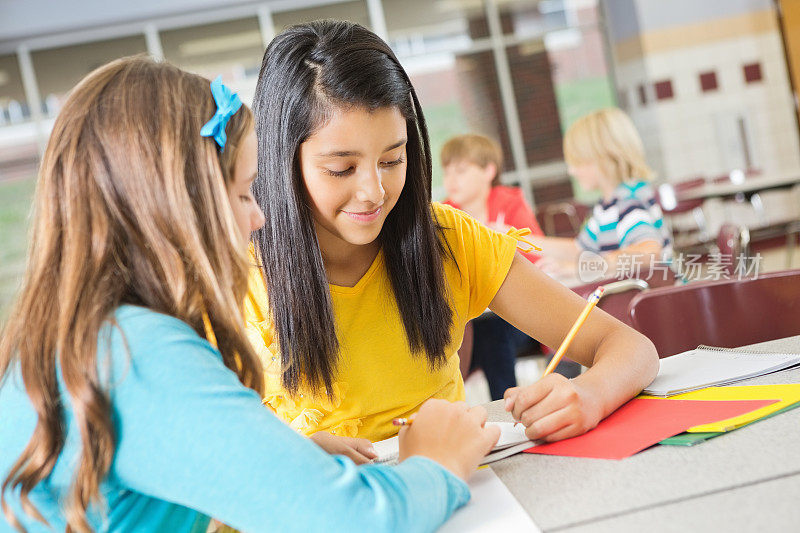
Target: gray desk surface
[760, 183]
[745, 481]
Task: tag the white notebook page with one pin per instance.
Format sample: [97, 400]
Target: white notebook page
[511, 435]
[707, 367]
[491, 509]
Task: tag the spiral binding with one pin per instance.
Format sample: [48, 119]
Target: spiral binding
[739, 351]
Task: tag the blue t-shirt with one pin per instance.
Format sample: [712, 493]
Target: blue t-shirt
[193, 442]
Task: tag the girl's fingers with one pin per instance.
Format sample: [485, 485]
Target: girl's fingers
[364, 447]
[572, 430]
[492, 434]
[554, 401]
[549, 424]
[356, 456]
[531, 395]
[510, 396]
[359, 450]
[480, 414]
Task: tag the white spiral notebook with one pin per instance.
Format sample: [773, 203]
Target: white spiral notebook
[707, 366]
[512, 441]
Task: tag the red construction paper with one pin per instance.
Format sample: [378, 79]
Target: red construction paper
[640, 423]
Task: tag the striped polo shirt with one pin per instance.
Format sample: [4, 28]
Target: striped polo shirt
[632, 215]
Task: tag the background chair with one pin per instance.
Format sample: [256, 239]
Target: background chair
[779, 216]
[685, 218]
[733, 242]
[615, 301]
[792, 233]
[725, 313]
[561, 219]
[619, 293]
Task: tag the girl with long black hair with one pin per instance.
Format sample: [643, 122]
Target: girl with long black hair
[365, 286]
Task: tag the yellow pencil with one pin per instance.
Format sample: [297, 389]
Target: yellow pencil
[592, 301]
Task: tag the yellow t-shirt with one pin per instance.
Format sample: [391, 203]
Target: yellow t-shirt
[377, 377]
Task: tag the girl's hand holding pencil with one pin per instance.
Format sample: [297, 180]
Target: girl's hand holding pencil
[553, 408]
[451, 434]
[556, 408]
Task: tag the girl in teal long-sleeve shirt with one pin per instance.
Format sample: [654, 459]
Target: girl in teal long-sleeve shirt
[192, 441]
[129, 395]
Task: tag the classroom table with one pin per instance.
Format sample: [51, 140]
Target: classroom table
[748, 480]
[747, 187]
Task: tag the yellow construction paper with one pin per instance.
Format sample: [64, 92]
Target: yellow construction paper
[786, 394]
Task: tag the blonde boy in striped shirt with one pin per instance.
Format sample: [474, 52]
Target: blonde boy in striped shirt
[604, 153]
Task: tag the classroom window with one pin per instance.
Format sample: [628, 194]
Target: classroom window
[13, 103]
[576, 54]
[59, 69]
[560, 69]
[529, 18]
[708, 81]
[354, 11]
[555, 53]
[231, 48]
[450, 79]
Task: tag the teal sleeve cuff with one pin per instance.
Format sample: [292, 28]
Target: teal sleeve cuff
[419, 471]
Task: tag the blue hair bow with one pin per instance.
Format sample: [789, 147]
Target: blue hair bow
[228, 103]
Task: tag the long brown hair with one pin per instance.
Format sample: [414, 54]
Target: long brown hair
[131, 208]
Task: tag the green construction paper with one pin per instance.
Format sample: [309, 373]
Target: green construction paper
[690, 439]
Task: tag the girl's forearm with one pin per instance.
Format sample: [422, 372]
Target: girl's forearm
[624, 364]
